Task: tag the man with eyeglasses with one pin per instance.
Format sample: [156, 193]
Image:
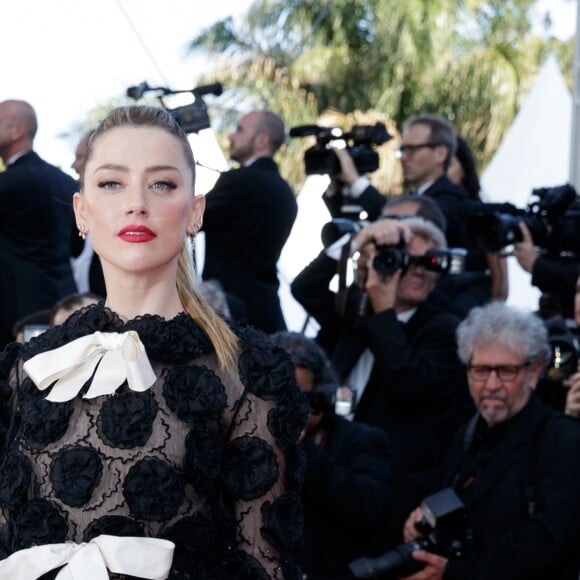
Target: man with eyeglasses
[515, 465]
[427, 147]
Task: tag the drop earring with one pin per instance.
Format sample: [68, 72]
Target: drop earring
[82, 232]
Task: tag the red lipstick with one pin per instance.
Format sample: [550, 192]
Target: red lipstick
[136, 234]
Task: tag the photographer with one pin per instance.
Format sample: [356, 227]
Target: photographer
[396, 349]
[347, 484]
[515, 464]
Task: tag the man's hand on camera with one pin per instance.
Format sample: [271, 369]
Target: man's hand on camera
[525, 251]
[381, 290]
[434, 566]
[410, 531]
[384, 232]
[348, 172]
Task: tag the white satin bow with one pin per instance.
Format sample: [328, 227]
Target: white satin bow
[143, 557]
[118, 356]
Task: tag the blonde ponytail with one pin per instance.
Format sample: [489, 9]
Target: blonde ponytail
[223, 339]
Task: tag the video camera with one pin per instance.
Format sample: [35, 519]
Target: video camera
[192, 117]
[444, 530]
[321, 159]
[552, 224]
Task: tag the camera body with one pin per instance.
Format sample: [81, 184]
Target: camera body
[444, 530]
[550, 219]
[320, 159]
[192, 117]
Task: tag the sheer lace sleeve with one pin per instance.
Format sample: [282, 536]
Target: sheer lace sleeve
[263, 465]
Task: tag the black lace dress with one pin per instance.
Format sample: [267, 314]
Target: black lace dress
[206, 459]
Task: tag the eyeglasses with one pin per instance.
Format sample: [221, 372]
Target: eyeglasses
[411, 148]
[504, 372]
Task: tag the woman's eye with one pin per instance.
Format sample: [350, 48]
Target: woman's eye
[163, 186]
[109, 184]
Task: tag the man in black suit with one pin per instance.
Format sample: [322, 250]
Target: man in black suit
[248, 217]
[395, 348]
[427, 147]
[36, 222]
[515, 464]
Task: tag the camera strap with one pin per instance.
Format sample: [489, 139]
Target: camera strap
[343, 292]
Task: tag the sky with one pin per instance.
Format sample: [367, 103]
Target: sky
[66, 57]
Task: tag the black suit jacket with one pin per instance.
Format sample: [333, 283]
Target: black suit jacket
[36, 225]
[534, 457]
[248, 217]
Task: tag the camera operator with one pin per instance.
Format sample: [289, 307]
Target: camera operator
[515, 464]
[394, 348]
[347, 483]
[554, 277]
[427, 148]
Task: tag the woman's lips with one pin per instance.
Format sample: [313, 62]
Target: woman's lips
[136, 234]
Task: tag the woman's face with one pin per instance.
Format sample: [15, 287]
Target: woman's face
[138, 201]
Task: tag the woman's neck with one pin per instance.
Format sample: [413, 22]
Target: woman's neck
[131, 302]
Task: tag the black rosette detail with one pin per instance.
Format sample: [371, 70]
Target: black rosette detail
[43, 422]
[171, 342]
[283, 523]
[154, 490]
[126, 420]
[265, 370]
[249, 467]
[202, 460]
[39, 522]
[82, 322]
[288, 418]
[16, 475]
[194, 394]
[242, 566]
[75, 473]
[195, 540]
[113, 526]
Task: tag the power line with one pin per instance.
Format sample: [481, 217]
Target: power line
[142, 42]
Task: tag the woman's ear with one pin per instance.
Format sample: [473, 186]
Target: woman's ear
[196, 217]
[80, 210]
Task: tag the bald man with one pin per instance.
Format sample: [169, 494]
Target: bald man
[248, 217]
[36, 222]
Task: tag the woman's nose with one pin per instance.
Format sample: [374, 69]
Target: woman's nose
[135, 201]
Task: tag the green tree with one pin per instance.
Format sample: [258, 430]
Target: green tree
[470, 60]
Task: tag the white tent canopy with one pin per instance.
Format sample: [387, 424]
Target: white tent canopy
[534, 153]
